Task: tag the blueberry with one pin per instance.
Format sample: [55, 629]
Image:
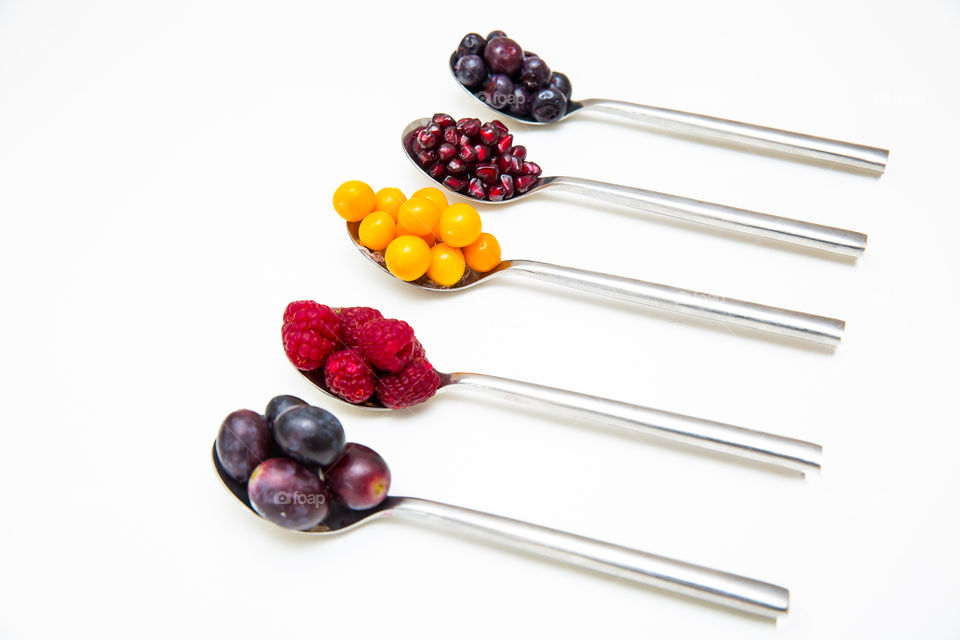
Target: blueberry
[495, 34]
[471, 71]
[471, 45]
[561, 83]
[503, 55]
[360, 479]
[309, 435]
[520, 104]
[288, 494]
[498, 91]
[548, 105]
[243, 442]
[534, 74]
[278, 405]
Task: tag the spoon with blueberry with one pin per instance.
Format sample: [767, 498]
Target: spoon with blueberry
[294, 468]
[519, 84]
[483, 162]
[357, 356]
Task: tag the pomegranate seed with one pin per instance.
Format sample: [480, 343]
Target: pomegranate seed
[531, 169]
[487, 173]
[499, 125]
[516, 165]
[468, 154]
[523, 183]
[436, 170]
[519, 151]
[409, 139]
[435, 129]
[443, 120]
[463, 139]
[427, 140]
[456, 166]
[504, 163]
[504, 143]
[446, 151]
[496, 193]
[476, 190]
[453, 183]
[426, 158]
[489, 133]
[468, 126]
[483, 152]
[506, 181]
[450, 135]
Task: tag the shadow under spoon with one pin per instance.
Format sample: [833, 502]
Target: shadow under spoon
[727, 589]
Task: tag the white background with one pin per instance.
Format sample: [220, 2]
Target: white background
[166, 171]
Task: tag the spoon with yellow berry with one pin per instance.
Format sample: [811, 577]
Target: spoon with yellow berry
[436, 246]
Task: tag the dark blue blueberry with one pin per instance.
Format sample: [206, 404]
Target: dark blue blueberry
[561, 83]
[548, 105]
[278, 405]
[520, 105]
[471, 45]
[471, 71]
[309, 435]
[534, 74]
[498, 91]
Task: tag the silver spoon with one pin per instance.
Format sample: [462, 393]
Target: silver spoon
[808, 234]
[780, 451]
[794, 324]
[870, 159]
[720, 587]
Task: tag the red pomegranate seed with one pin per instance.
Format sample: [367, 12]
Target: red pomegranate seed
[504, 163]
[446, 151]
[506, 181]
[523, 183]
[519, 151]
[496, 193]
[489, 133]
[487, 173]
[464, 139]
[516, 165]
[476, 190]
[499, 125]
[468, 154]
[426, 158]
[456, 166]
[531, 168]
[453, 183]
[483, 152]
[450, 135]
[504, 143]
[427, 140]
[437, 170]
[468, 126]
[435, 129]
[444, 120]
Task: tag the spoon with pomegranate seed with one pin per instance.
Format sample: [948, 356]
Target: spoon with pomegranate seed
[872, 160]
[793, 324]
[508, 184]
[719, 587]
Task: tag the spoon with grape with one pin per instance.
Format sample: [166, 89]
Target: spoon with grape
[425, 154]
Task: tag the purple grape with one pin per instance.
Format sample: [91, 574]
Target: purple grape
[309, 435]
[495, 34]
[471, 71]
[288, 494]
[534, 74]
[243, 442]
[503, 55]
[360, 479]
[278, 405]
[561, 83]
[471, 45]
[520, 104]
[548, 105]
[498, 91]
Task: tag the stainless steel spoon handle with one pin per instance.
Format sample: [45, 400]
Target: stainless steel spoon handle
[756, 445]
[795, 324]
[847, 154]
[808, 234]
[720, 587]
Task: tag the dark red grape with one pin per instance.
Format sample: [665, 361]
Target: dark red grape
[471, 45]
[288, 494]
[471, 71]
[243, 442]
[534, 74]
[360, 479]
[561, 83]
[309, 435]
[503, 55]
[548, 105]
[498, 91]
[278, 405]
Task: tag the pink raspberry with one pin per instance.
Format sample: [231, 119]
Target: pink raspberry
[352, 321]
[417, 382]
[309, 333]
[387, 344]
[348, 375]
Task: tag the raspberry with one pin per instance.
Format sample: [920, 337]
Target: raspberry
[348, 375]
[417, 382]
[387, 344]
[309, 333]
[352, 321]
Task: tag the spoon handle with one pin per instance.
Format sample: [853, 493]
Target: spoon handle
[847, 154]
[808, 234]
[769, 448]
[794, 324]
[720, 587]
